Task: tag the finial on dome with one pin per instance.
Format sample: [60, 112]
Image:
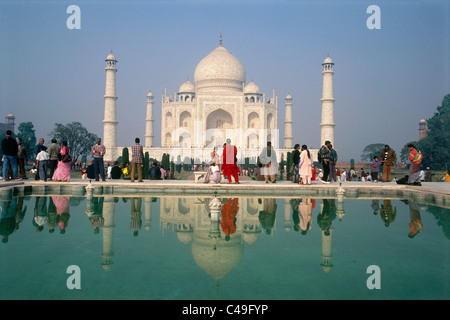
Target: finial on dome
[220, 39]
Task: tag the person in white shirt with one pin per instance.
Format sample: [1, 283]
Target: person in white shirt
[41, 162]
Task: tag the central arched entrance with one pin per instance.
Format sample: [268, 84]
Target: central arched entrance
[217, 122]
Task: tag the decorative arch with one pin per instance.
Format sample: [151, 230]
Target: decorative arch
[185, 120]
[253, 120]
[217, 122]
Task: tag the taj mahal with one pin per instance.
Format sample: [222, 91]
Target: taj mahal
[218, 105]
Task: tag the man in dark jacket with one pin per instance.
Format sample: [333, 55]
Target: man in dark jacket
[10, 149]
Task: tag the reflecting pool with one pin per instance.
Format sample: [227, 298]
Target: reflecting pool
[196, 248]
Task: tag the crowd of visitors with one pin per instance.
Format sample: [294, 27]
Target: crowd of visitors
[54, 164]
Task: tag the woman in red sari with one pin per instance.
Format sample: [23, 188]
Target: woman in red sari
[229, 162]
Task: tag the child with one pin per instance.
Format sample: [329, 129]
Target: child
[83, 172]
[41, 161]
[375, 169]
[33, 171]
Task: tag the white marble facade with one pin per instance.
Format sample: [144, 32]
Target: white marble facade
[218, 105]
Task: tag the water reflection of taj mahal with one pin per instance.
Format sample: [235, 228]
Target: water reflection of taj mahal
[217, 228]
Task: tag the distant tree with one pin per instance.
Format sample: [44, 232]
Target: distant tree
[146, 166]
[79, 140]
[434, 147]
[288, 165]
[371, 150]
[125, 157]
[27, 133]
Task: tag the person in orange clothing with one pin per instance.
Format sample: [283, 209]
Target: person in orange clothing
[228, 214]
[229, 162]
[415, 156]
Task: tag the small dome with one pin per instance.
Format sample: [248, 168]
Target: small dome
[149, 94]
[187, 87]
[110, 57]
[422, 121]
[288, 97]
[327, 60]
[252, 88]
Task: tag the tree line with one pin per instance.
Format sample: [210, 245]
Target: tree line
[434, 147]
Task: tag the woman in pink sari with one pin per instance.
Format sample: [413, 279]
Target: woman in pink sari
[62, 172]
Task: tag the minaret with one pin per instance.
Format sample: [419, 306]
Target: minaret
[110, 118]
[149, 121]
[422, 129]
[327, 124]
[288, 123]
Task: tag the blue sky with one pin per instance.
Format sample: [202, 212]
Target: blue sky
[385, 80]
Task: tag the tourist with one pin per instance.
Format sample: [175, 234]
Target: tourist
[22, 158]
[62, 172]
[320, 175]
[422, 176]
[116, 171]
[10, 150]
[268, 158]
[214, 173]
[333, 161]
[428, 175]
[53, 153]
[415, 157]
[37, 149]
[33, 171]
[83, 172]
[324, 159]
[137, 159]
[163, 173]
[338, 174]
[155, 172]
[388, 159]
[447, 176]
[215, 157]
[126, 172]
[42, 161]
[374, 169]
[344, 175]
[305, 166]
[229, 162]
[108, 172]
[295, 164]
[98, 151]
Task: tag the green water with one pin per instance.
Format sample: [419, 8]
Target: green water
[174, 248]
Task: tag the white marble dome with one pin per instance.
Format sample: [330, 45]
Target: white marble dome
[252, 88]
[187, 87]
[327, 60]
[220, 69]
[110, 57]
